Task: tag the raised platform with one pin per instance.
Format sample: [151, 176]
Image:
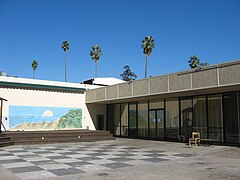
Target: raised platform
[54, 136]
[5, 141]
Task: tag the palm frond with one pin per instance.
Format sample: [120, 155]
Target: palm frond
[96, 52]
[34, 65]
[148, 45]
[65, 45]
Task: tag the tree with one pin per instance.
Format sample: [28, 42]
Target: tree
[148, 45]
[65, 47]
[194, 62]
[128, 75]
[34, 67]
[96, 52]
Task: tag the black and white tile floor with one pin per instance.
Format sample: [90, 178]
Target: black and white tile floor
[46, 161]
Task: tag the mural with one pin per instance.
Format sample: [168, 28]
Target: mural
[33, 118]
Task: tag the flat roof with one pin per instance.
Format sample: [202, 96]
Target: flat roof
[104, 81]
[23, 83]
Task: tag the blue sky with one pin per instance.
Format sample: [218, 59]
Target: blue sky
[34, 30]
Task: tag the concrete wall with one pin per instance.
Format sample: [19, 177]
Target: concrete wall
[91, 112]
[179, 82]
[229, 74]
[207, 77]
[158, 84]
[20, 97]
[100, 94]
[44, 98]
[140, 87]
[90, 96]
[112, 92]
[125, 90]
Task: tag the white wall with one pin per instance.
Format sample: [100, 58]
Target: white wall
[5, 115]
[20, 97]
[43, 98]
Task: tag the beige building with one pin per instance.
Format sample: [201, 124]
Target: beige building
[170, 107]
[167, 107]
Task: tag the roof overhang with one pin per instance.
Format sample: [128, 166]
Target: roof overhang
[44, 87]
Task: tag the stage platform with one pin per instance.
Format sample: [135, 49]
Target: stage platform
[53, 136]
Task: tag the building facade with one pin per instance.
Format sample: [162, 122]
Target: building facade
[172, 106]
[30, 104]
[168, 107]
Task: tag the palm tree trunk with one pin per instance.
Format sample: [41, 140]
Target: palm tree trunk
[33, 74]
[65, 64]
[146, 66]
[96, 69]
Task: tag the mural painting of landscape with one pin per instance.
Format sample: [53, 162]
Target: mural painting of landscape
[35, 118]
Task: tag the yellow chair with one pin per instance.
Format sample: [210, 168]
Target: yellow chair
[195, 139]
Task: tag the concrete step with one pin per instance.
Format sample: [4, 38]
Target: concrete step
[4, 139]
[6, 143]
[69, 140]
[61, 136]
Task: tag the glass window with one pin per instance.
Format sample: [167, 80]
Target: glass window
[117, 119]
[124, 119]
[156, 104]
[186, 118]
[215, 122]
[160, 124]
[172, 119]
[200, 115]
[231, 119]
[110, 117]
[143, 119]
[152, 124]
[133, 120]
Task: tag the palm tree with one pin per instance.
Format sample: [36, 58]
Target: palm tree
[65, 47]
[128, 75]
[34, 66]
[96, 52]
[148, 45]
[194, 62]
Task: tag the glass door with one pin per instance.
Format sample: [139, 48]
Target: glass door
[231, 117]
[186, 118]
[156, 124]
[152, 124]
[132, 120]
[160, 124]
[124, 120]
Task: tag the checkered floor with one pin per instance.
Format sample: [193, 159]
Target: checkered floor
[45, 161]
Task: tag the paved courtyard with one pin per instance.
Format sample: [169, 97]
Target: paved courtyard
[120, 159]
